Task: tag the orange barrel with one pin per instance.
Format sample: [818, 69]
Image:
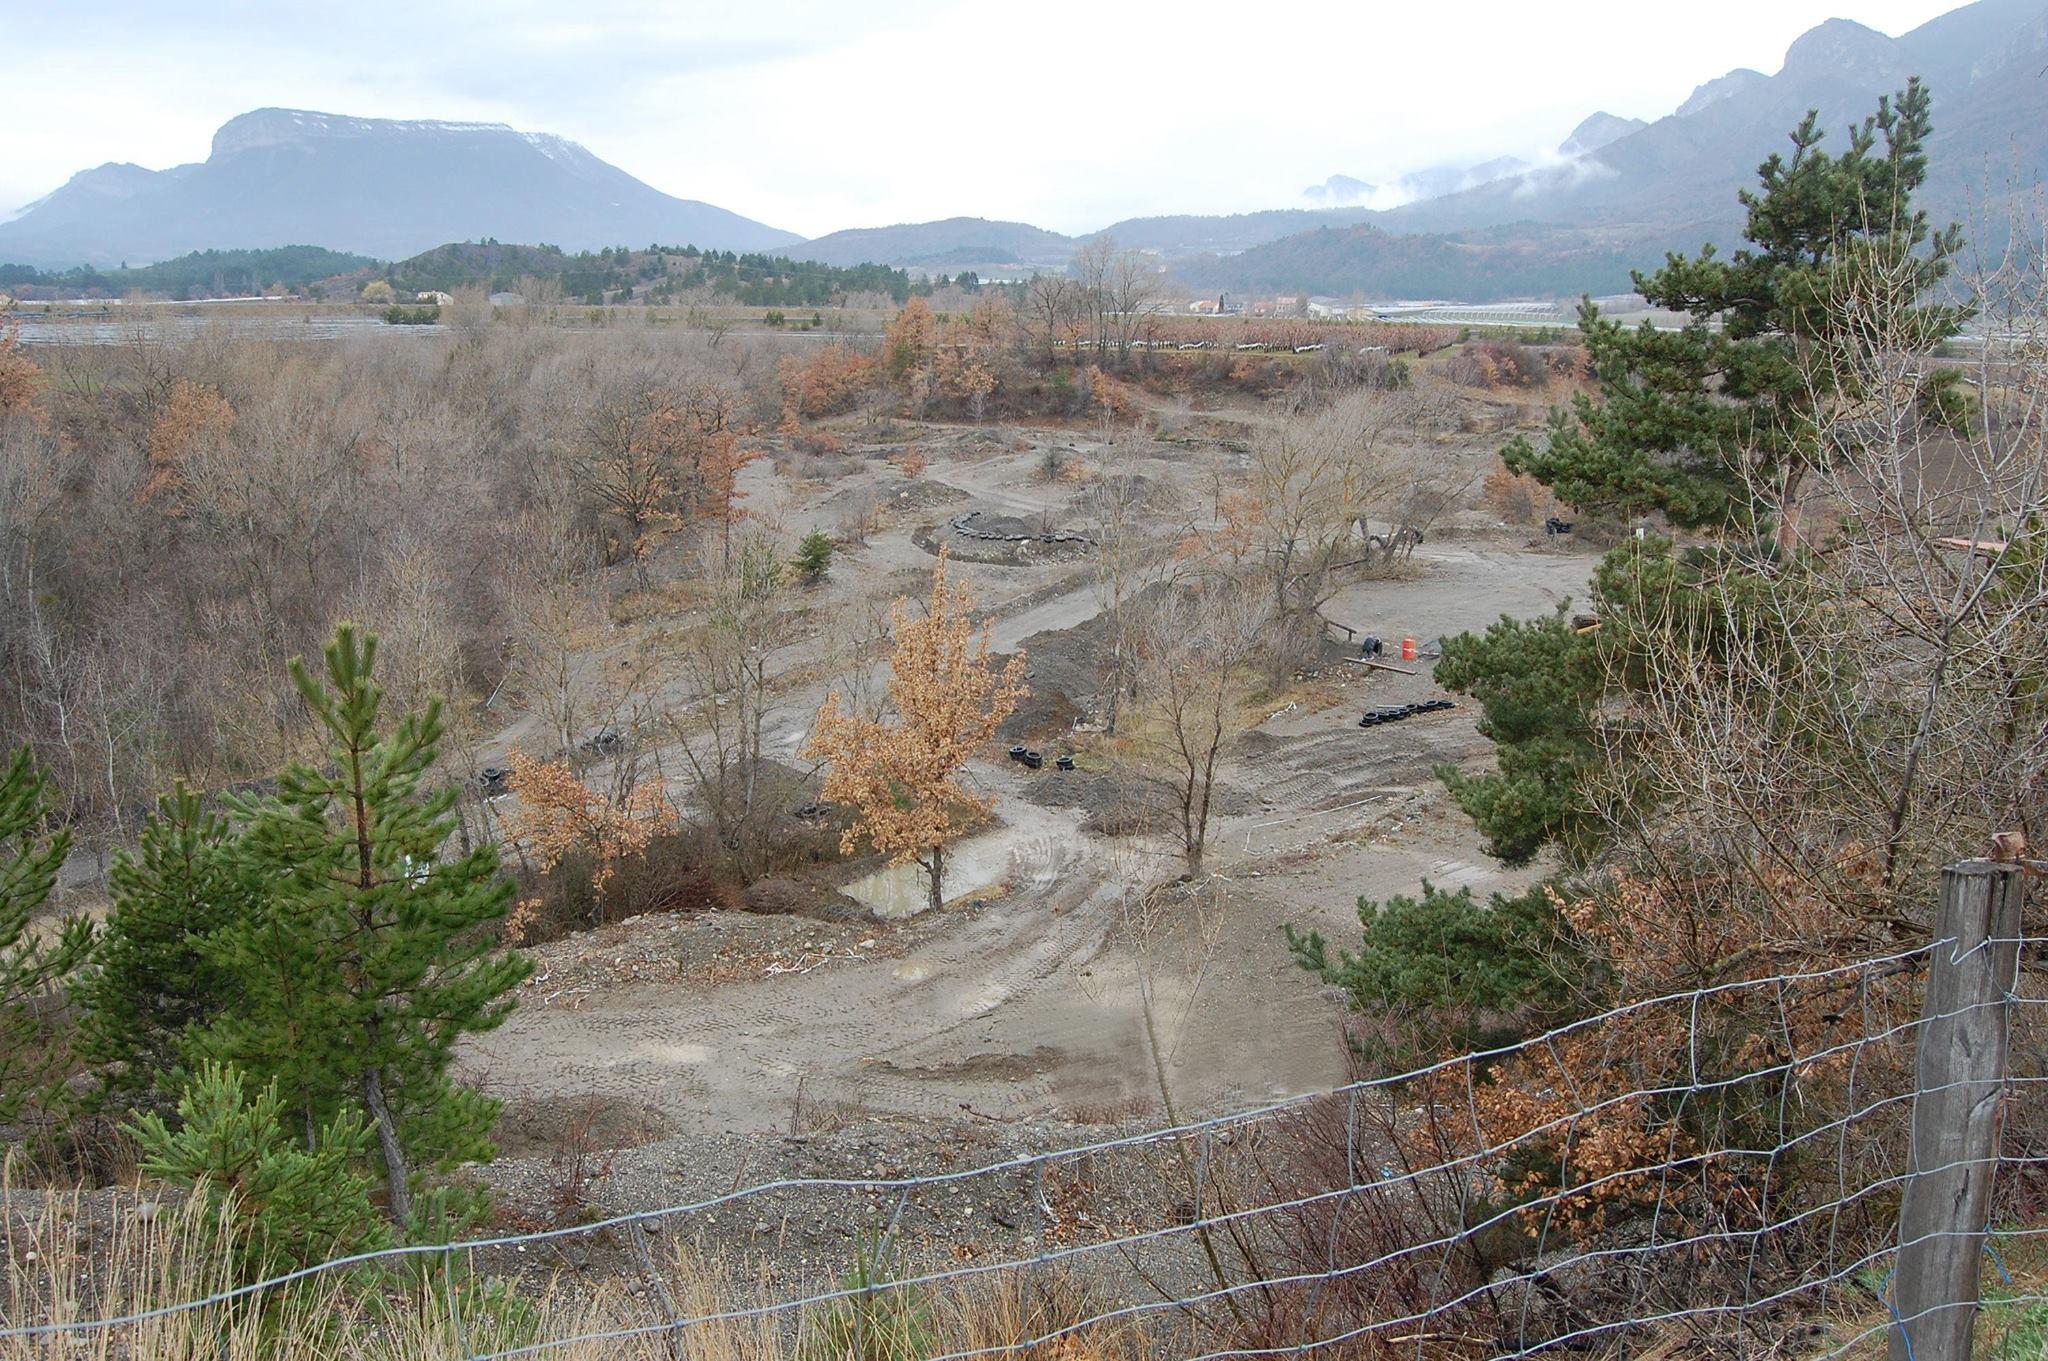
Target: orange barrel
[1407, 649]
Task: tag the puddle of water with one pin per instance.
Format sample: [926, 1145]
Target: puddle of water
[898, 891]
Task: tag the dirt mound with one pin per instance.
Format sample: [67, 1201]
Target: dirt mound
[712, 947]
[1339, 762]
[1065, 674]
[889, 496]
[917, 493]
[974, 536]
[1122, 803]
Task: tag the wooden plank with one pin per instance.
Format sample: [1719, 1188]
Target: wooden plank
[1960, 1075]
[1382, 666]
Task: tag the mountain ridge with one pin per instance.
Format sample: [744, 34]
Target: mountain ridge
[372, 186]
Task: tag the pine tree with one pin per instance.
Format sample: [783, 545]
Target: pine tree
[1446, 967]
[1688, 419]
[813, 557]
[1703, 425]
[152, 979]
[32, 967]
[369, 955]
[1535, 681]
[282, 1205]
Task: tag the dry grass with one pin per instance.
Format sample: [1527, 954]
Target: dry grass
[2012, 1323]
[71, 1259]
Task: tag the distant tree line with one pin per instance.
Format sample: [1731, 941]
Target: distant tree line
[201, 274]
[656, 274]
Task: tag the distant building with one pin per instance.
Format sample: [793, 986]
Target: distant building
[506, 300]
[436, 298]
[1203, 306]
[1327, 308]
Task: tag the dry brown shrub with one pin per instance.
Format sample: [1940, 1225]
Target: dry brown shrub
[21, 380]
[1514, 497]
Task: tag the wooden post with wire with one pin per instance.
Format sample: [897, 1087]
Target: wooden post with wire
[1960, 1085]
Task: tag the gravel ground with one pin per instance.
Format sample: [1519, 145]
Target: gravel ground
[801, 1240]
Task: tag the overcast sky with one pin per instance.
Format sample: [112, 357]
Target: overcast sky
[817, 116]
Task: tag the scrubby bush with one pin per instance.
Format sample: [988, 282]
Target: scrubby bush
[1514, 497]
[883, 1323]
[1496, 364]
[1456, 972]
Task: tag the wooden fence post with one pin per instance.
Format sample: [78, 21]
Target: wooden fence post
[1960, 1080]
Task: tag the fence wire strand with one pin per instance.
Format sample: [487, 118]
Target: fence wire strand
[1751, 1291]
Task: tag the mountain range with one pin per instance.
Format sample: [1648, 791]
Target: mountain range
[373, 186]
[1983, 64]
[1622, 196]
[1617, 191]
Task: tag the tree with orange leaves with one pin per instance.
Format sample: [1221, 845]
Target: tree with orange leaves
[195, 419]
[697, 421]
[827, 384]
[21, 380]
[964, 377]
[659, 458]
[559, 814]
[901, 778]
[910, 339]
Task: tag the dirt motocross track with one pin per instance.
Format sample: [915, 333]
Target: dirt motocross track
[1042, 997]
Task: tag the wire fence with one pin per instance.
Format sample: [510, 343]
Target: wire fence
[1717, 1171]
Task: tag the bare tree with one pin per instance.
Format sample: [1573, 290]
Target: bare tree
[734, 662]
[1201, 665]
[1050, 313]
[1317, 485]
[555, 609]
[629, 466]
[1117, 293]
[1132, 286]
[1126, 560]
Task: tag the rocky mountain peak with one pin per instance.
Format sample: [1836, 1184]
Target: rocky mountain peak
[1844, 49]
[275, 127]
[1736, 82]
[1598, 131]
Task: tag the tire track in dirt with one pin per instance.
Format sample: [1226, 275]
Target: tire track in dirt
[921, 1035]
